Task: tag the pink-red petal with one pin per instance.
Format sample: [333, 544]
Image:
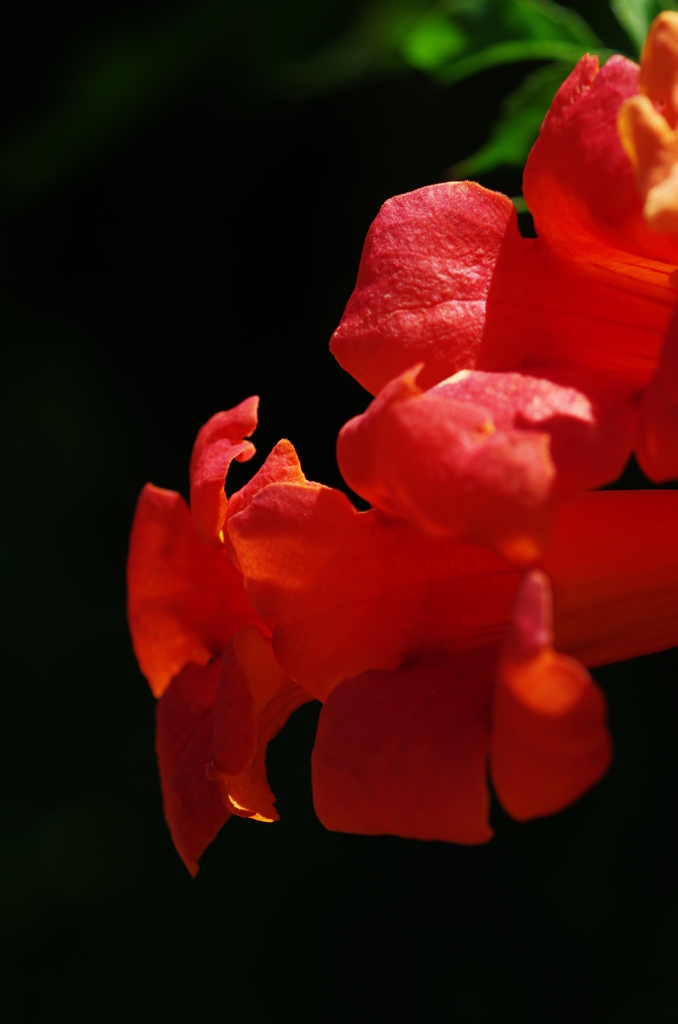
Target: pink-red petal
[422, 285]
[446, 280]
[483, 456]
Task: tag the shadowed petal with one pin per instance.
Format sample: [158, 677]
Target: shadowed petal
[613, 563]
[193, 807]
[403, 752]
[657, 444]
[254, 700]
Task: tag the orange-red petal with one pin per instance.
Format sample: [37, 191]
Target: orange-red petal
[347, 591]
[549, 739]
[613, 563]
[254, 700]
[219, 442]
[184, 601]
[403, 752]
[193, 806]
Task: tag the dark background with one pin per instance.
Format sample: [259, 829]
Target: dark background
[204, 256]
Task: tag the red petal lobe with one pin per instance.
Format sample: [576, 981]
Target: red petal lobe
[549, 742]
[184, 601]
[403, 752]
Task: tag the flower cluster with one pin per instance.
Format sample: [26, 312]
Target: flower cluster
[448, 629]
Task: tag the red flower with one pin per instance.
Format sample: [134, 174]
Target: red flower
[557, 337]
[511, 375]
[204, 650]
[401, 634]
[410, 640]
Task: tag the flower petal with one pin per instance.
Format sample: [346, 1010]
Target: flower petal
[576, 309]
[184, 601]
[657, 444]
[254, 700]
[193, 807]
[484, 456]
[218, 443]
[422, 284]
[549, 740]
[578, 181]
[403, 752]
[347, 591]
[613, 563]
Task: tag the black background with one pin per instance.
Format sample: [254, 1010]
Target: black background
[206, 257]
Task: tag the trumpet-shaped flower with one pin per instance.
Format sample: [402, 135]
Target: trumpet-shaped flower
[434, 659]
[448, 630]
[433, 656]
[513, 372]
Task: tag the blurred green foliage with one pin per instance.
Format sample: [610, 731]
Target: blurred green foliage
[635, 16]
[116, 80]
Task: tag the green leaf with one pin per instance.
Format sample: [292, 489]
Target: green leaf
[374, 44]
[433, 41]
[635, 16]
[121, 78]
[462, 37]
[515, 132]
[514, 52]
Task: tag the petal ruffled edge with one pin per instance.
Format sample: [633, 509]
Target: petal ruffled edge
[219, 442]
[184, 601]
